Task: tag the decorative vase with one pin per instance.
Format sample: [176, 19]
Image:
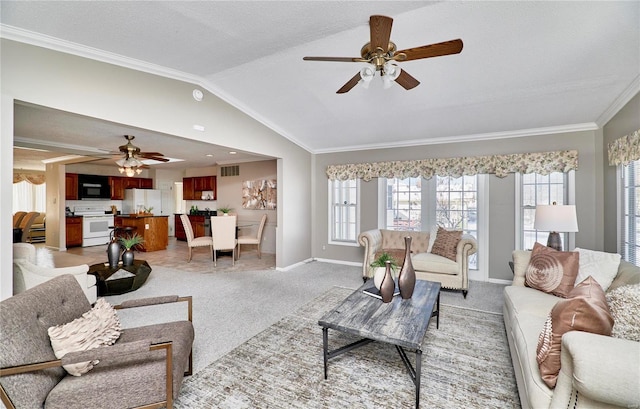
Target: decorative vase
[407, 275]
[378, 276]
[113, 253]
[388, 286]
[127, 258]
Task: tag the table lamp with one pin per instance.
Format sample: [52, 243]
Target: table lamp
[556, 218]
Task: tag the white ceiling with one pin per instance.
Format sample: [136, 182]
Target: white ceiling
[527, 67]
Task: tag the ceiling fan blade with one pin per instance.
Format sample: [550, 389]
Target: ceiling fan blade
[156, 158]
[380, 31]
[407, 81]
[335, 59]
[350, 84]
[432, 50]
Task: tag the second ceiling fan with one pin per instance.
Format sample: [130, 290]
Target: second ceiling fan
[382, 54]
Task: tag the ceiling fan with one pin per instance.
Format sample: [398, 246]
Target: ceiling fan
[382, 55]
[131, 163]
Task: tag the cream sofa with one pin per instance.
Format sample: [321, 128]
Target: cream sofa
[27, 274]
[596, 371]
[450, 274]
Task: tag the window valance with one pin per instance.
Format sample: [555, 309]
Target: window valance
[625, 150]
[500, 165]
[34, 178]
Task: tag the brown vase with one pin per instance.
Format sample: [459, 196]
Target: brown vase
[407, 275]
[388, 286]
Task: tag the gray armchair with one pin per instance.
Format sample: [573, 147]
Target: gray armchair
[143, 369]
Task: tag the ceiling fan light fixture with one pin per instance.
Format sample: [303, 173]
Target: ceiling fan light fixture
[366, 75]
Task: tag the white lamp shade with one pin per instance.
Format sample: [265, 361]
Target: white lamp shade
[556, 218]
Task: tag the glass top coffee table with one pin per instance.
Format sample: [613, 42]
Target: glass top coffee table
[402, 323]
[120, 280]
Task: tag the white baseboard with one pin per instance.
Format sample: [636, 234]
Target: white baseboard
[345, 263]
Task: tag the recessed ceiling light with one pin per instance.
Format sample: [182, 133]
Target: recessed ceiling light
[198, 128]
[198, 95]
[210, 155]
[232, 153]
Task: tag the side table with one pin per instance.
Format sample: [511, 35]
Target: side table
[120, 280]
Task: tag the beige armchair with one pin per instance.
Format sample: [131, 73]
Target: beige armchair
[428, 266]
[27, 274]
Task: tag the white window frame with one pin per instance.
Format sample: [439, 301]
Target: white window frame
[568, 239]
[621, 214]
[332, 223]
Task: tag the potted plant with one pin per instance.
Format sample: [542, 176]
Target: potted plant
[225, 210]
[379, 267]
[129, 242]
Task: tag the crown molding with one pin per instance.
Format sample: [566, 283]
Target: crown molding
[631, 91]
[588, 126]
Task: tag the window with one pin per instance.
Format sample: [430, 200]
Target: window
[630, 213]
[417, 204]
[535, 189]
[404, 204]
[28, 197]
[344, 211]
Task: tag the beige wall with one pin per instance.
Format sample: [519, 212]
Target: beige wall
[501, 200]
[91, 88]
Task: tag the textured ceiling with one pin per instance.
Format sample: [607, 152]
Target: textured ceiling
[526, 67]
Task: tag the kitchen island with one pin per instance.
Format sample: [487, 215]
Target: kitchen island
[154, 230]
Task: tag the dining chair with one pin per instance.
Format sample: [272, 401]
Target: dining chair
[203, 241]
[25, 224]
[257, 239]
[223, 230]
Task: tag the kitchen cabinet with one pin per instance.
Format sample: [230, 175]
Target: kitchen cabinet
[197, 225]
[71, 186]
[119, 184]
[153, 229]
[73, 226]
[193, 187]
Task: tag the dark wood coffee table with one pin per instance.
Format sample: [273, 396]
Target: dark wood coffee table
[132, 277]
[402, 323]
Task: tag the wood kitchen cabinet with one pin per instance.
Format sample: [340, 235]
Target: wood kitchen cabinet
[120, 183]
[153, 229]
[197, 225]
[193, 187]
[73, 227]
[71, 186]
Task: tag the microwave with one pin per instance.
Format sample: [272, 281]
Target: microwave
[91, 187]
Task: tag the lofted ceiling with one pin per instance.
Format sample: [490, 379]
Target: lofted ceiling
[527, 67]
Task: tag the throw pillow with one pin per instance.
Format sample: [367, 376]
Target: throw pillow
[624, 303]
[432, 237]
[584, 310]
[97, 327]
[599, 265]
[44, 258]
[552, 271]
[446, 243]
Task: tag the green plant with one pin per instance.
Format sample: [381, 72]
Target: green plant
[224, 209]
[148, 209]
[131, 241]
[381, 261]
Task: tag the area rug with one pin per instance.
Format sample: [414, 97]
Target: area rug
[466, 363]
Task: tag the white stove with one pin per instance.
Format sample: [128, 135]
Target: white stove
[96, 225]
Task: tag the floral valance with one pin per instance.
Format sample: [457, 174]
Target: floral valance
[35, 178]
[625, 150]
[500, 165]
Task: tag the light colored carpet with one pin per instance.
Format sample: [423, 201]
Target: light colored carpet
[466, 364]
[230, 307]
